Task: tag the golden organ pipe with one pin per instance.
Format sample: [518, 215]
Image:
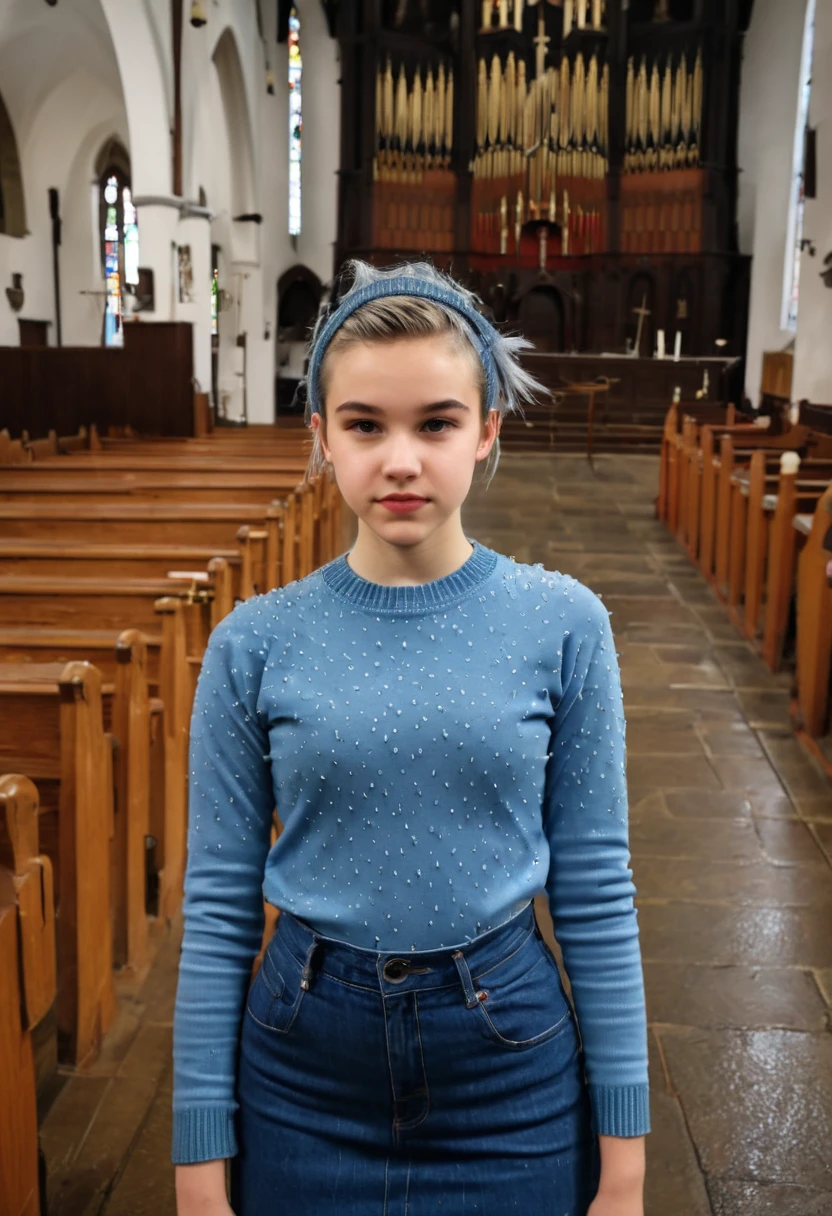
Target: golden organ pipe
[379, 90]
[520, 105]
[511, 95]
[578, 99]
[439, 109]
[676, 114]
[482, 105]
[641, 103]
[592, 85]
[494, 99]
[605, 111]
[387, 104]
[667, 102]
[449, 115]
[697, 96]
[416, 125]
[401, 108]
[687, 102]
[564, 106]
[655, 104]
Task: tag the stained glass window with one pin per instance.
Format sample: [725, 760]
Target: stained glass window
[794, 242]
[112, 321]
[215, 301]
[121, 255]
[295, 123]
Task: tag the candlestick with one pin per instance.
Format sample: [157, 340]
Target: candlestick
[677, 346]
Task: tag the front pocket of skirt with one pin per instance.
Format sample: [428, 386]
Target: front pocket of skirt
[527, 1005]
[275, 996]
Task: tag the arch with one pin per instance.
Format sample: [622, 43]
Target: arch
[229, 70]
[12, 199]
[299, 292]
[540, 317]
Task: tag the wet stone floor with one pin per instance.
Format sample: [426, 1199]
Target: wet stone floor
[731, 840]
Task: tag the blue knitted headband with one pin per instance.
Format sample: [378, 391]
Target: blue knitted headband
[483, 333]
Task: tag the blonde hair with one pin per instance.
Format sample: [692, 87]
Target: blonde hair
[391, 318]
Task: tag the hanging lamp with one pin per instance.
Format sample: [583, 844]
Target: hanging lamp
[198, 17]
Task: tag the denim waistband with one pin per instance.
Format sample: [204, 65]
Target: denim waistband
[394, 972]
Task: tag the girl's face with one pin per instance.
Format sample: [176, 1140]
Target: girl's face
[405, 418]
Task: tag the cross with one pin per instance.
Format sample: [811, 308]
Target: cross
[541, 43]
[642, 312]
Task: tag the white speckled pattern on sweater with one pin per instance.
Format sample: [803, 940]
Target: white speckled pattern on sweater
[437, 754]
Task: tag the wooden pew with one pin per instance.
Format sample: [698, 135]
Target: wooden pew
[52, 729]
[813, 649]
[667, 499]
[202, 524]
[753, 511]
[736, 448]
[44, 483]
[19, 1184]
[30, 873]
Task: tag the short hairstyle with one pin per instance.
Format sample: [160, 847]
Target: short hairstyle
[391, 318]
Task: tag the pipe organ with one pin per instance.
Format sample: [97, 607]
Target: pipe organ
[520, 138]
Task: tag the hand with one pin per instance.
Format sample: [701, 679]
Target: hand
[200, 1190]
[620, 1202]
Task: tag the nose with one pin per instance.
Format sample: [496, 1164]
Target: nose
[401, 458]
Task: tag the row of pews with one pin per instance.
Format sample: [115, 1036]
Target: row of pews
[117, 559]
[750, 499]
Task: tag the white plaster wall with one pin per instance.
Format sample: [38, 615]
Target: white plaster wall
[768, 112]
[73, 79]
[813, 348]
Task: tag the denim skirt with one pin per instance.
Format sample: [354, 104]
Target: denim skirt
[377, 1084]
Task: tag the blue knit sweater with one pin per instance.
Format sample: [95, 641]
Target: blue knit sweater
[437, 754]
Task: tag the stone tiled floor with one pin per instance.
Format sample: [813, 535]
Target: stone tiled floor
[731, 839]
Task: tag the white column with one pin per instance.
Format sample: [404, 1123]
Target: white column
[813, 352]
[158, 238]
[195, 231]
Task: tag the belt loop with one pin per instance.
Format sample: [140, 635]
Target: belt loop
[307, 967]
[471, 997]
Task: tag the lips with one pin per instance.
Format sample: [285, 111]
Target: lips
[403, 498]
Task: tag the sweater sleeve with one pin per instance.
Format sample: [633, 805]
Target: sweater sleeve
[230, 805]
[589, 885]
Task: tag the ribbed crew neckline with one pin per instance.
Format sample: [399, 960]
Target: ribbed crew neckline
[423, 597]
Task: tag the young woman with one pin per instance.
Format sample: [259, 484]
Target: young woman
[440, 730]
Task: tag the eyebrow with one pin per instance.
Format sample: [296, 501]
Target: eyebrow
[359, 406]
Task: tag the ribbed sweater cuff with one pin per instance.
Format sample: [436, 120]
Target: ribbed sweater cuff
[621, 1110]
[203, 1134]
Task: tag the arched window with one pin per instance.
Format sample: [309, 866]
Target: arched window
[12, 205]
[119, 248]
[295, 124]
[794, 232]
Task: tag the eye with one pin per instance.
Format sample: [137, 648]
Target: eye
[364, 422]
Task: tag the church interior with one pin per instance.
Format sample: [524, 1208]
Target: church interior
[643, 189]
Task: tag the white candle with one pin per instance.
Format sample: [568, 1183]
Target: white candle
[677, 346]
[503, 14]
[660, 344]
[486, 13]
